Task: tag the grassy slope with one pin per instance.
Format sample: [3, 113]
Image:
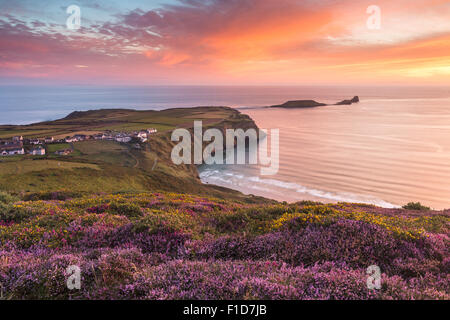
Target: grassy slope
[117, 119]
[107, 166]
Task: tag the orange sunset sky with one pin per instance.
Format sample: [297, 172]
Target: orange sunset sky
[225, 42]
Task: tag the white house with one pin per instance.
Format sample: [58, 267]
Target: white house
[80, 137]
[142, 135]
[107, 137]
[13, 148]
[39, 151]
[12, 151]
[48, 140]
[17, 151]
[123, 139]
[71, 139]
[35, 141]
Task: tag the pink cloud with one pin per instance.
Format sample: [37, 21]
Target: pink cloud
[216, 40]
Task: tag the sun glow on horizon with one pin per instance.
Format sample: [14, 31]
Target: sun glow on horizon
[228, 42]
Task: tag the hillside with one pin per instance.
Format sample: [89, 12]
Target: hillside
[109, 166]
[179, 246]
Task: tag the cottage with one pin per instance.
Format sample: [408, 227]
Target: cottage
[71, 139]
[12, 150]
[142, 135]
[123, 139]
[39, 151]
[80, 137]
[49, 140]
[34, 141]
[17, 139]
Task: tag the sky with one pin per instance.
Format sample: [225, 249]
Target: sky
[226, 42]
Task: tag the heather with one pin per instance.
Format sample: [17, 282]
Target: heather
[178, 246]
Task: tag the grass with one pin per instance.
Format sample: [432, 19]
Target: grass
[6, 133]
[109, 152]
[72, 133]
[134, 126]
[13, 158]
[52, 148]
[108, 166]
[29, 165]
[91, 147]
[117, 119]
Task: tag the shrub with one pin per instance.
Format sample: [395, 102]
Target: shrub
[12, 213]
[125, 209]
[98, 209]
[7, 198]
[226, 222]
[186, 247]
[416, 206]
[355, 243]
[308, 203]
[57, 195]
[156, 223]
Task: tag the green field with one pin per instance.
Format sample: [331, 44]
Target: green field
[117, 119]
[91, 147]
[136, 126]
[107, 166]
[5, 132]
[29, 165]
[109, 152]
[52, 148]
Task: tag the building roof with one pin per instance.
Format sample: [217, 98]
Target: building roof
[9, 147]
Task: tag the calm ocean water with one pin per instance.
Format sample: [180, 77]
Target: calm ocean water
[391, 148]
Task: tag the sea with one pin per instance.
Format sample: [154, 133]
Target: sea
[391, 148]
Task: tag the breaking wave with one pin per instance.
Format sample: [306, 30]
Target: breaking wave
[245, 183]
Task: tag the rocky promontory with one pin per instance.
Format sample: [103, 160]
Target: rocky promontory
[300, 104]
[348, 102]
[294, 104]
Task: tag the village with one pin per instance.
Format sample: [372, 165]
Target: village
[20, 146]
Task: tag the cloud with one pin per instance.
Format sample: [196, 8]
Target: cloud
[225, 40]
[218, 29]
